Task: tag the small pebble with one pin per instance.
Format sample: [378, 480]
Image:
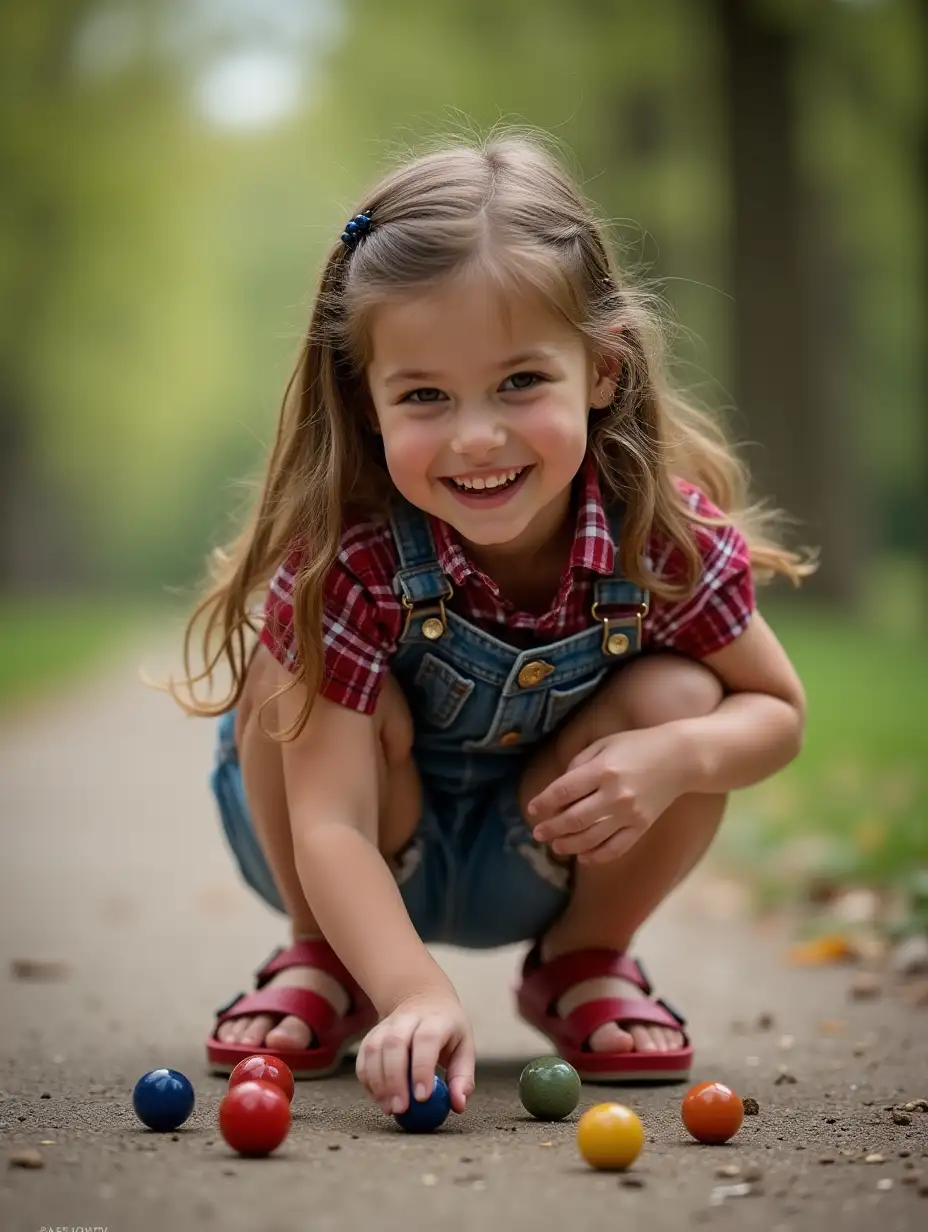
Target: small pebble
[874, 1159]
[765, 1021]
[864, 986]
[175, 1137]
[751, 1106]
[429, 1179]
[229, 1172]
[728, 1170]
[911, 1106]
[784, 1076]
[29, 1158]
[921, 1105]
[754, 1173]
[903, 1154]
[722, 1192]
[885, 1184]
[826, 1159]
[901, 1118]
[334, 1146]
[632, 1182]
[910, 1178]
[45, 1095]
[786, 1042]
[831, 1120]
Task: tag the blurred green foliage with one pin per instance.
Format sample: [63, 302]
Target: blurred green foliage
[853, 808]
[158, 253]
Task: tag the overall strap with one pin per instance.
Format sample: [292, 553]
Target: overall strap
[619, 605]
[420, 582]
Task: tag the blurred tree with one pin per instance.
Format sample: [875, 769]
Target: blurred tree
[35, 46]
[789, 332]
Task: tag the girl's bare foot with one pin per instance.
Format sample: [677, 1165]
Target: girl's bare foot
[611, 1037]
[282, 1033]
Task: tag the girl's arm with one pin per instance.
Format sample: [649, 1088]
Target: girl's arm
[330, 775]
[757, 728]
[630, 779]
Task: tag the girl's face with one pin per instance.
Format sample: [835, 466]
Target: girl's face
[483, 408]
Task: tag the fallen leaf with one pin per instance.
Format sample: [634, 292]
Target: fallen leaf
[828, 948]
[832, 1026]
[28, 1158]
[39, 971]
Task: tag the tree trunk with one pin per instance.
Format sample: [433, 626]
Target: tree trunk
[787, 318]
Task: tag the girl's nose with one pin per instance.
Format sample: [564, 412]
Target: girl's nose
[477, 432]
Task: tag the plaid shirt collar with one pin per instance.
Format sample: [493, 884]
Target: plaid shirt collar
[592, 548]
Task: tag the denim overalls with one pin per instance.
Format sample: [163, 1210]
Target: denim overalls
[472, 875]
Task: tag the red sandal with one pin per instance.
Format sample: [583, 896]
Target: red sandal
[544, 983]
[333, 1033]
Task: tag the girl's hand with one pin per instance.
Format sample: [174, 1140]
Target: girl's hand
[423, 1031]
[610, 795]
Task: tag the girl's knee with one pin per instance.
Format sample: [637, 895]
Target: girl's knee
[663, 688]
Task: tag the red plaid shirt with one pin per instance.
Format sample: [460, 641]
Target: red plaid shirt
[363, 617]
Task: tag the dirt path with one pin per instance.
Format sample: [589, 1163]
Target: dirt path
[112, 862]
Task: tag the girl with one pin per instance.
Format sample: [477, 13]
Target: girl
[509, 666]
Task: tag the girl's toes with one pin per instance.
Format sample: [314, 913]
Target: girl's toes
[256, 1030]
[290, 1032]
[227, 1031]
[611, 1038]
[644, 1038]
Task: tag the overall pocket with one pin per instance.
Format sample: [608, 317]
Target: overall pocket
[441, 691]
[561, 703]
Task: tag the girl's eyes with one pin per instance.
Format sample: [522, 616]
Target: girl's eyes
[429, 396]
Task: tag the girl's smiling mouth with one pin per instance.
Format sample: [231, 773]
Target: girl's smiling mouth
[489, 488]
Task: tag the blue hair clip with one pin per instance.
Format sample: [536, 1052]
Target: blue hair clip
[356, 229]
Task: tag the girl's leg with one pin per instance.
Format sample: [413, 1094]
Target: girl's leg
[611, 901]
[399, 791]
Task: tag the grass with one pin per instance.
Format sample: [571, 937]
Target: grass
[46, 642]
[853, 809]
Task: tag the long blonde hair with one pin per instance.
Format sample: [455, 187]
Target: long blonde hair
[507, 205]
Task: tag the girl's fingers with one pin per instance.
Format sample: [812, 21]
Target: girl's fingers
[394, 1041]
[563, 792]
[623, 840]
[595, 835]
[459, 1072]
[427, 1042]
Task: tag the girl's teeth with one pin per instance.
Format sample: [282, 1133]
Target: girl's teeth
[477, 484]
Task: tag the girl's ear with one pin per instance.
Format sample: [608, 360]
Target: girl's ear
[608, 370]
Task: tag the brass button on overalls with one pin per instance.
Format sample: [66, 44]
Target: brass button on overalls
[534, 673]
[510, 737]
[617, 643]
[432, 628]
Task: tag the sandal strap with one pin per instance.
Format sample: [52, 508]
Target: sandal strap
[544, 983]
[303, 1003]
[309, 952]
[580, 1023]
